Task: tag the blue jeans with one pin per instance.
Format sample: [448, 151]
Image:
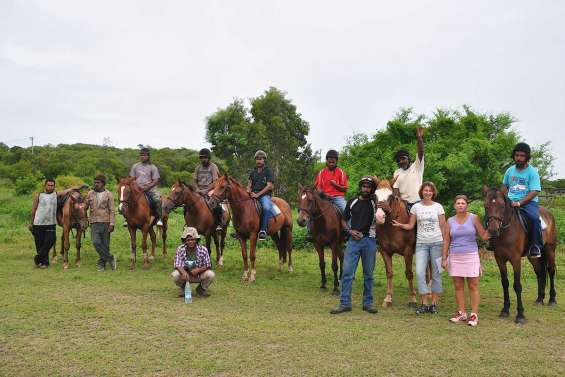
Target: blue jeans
[426, 252]
[339, 201]
[366, 249]
[531, 212]
[267, 205]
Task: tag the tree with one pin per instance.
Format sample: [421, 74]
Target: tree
[464, 150]
[272, 124]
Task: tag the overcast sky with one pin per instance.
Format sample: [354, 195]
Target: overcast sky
[150, 72]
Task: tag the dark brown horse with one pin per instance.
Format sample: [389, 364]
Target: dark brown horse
[510, 243]
[246, 222]
[71, 215]
[326, 230]
[135, 208]
[197, 214]
[393, 240]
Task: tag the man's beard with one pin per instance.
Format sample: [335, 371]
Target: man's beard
[365, 195]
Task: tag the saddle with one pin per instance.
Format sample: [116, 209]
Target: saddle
[526, 225]
[259, 208]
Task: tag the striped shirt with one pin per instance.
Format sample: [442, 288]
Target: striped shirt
[202, 257]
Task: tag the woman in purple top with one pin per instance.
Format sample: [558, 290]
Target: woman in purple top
[463, 262]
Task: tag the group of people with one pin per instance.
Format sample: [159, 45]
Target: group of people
[444, 244]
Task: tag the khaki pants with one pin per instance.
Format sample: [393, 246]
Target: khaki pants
[205, 279]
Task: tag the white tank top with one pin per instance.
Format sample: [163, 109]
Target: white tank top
[46, 213]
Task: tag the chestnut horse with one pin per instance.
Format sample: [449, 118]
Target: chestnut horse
[71, 215]
[393, 240]
[510, 243]
[135, 208]
[326, 230]
[246, 222]
[197, 214]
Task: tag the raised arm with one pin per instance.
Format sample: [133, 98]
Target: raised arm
[420, 142]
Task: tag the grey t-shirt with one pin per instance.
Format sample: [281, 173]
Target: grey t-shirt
[46, 212]
[144, 174]
[204, 176]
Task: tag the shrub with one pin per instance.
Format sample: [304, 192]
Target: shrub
[25, 185]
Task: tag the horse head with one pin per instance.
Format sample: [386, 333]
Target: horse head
[383, 194]
[307, 204]
[124, 192]
[175, 198]
[78, 209]
[495, 209]
[222, 187]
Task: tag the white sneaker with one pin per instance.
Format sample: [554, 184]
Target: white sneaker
[458, 317]
[473, 320]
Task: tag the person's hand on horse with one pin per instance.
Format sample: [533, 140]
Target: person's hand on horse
[515, 204]
[356, 235]
[396, 223]
[254, 195]
[110, 229]
[384, 206]
[420, 132]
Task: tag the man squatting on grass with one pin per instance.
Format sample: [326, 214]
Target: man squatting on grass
[102, 220]
[191, 251]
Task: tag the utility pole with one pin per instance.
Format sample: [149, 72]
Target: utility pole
[32, 162]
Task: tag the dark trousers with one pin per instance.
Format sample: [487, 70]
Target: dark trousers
[44, 236]
[531, 212]
[101, 241]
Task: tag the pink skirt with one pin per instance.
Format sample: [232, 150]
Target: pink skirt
[465, 265]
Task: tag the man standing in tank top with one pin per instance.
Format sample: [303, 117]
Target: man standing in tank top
[44, 220]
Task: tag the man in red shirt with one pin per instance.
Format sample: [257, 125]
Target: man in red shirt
[332, 180]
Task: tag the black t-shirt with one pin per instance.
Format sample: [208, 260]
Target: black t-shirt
[259, 179]
[361, 215]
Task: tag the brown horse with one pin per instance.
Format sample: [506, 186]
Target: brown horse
[71, 215]
[135, 208]
[246, 222]
[197, 214]
[326, 230]
[393, 240]
[510, 243]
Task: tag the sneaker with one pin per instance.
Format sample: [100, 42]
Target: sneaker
[423, 309]
[535, 252]
[433, 309]
[473, 320]
[114, 263]
[458, 317]
[43, 266]
[201, 291]
[99, 267]
[370, 309]
[262, 236]
[340, 309]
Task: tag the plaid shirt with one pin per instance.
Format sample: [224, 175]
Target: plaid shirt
[202, 257]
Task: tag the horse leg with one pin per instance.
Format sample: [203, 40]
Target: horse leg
[243, 244]
[222, 245]
[144, 234]
[153, 243]
[286, 245]
[505, 312]
[78, 244]
[322, 264]
[335, 254]
[54, 259]
[387, 259]
[132, 236]
[540, 269]
[65, 246]
[517, 266]
[219, 260]
[550, 259]
[252, 249]
[277, 240]
[408, 255]
[164, 236]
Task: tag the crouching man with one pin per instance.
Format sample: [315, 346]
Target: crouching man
[192, 263]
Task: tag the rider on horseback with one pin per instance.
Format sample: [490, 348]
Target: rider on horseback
[523, 183]
[204, 175]
[409, 175]
[260, 187]
[147, 177]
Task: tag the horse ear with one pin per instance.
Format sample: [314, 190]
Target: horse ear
[375, 180]
[504, 190]
[485, 190]
[117, 179]
[300, 187]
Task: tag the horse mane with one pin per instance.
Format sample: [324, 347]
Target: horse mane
[319, 194]
[384, 183]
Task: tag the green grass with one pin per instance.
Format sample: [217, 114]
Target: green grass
[84, 323]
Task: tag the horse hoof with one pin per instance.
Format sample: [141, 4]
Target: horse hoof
[245, 276]
[335, 292]
[387, 304]
[412, 305]
[77, 264]
[290, 269]
[132, 266]
[65, 266]
[221, 262]
[54, 260]
[539, 302]
[145, 265]
[323, 288]
[552, 302]
[503, 314]
[520, 320]
[152, 258]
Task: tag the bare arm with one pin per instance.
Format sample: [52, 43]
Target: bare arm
[531, 195]
[443, 227]
[483, 233]
[33, 210]
[420, 143]
[446, 241]
[408, 226]
[249, 185]
[339, 187]
[266, 189]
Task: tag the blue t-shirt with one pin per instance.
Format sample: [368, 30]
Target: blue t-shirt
[521, 182]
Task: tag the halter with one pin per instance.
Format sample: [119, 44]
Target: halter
[501, 220]
[310, 211]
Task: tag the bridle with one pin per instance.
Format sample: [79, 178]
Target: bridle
[500, 220]
[313, 206]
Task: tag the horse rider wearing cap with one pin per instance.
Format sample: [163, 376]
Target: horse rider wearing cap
[260, 186]
[204, 175]
[102, 220]
[192, 264]
[147, 177]
[409, 175]
[361, 245]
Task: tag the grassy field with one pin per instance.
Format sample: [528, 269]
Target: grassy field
[85, 323]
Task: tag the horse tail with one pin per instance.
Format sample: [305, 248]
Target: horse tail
[286, 241]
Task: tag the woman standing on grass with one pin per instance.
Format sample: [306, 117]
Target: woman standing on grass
[430, 238]
[463, 262]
